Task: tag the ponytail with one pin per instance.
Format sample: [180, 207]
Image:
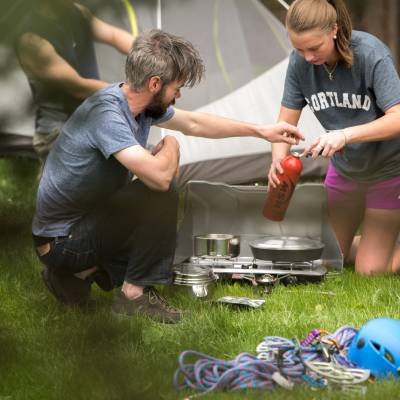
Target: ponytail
[345, 28]
[305, 15]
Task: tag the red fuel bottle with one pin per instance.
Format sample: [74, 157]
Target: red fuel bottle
[278, 198]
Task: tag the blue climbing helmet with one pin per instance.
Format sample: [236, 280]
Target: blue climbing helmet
[377, 347]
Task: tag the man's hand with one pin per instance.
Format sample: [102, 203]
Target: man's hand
[282, 132]
[158, 147]
[169, 140]
[155, 170]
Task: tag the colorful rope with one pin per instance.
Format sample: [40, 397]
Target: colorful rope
[285, 364]
[245, 371]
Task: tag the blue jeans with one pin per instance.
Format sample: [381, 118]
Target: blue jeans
[131, 235]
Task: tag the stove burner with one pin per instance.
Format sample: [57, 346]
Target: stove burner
[292, 265]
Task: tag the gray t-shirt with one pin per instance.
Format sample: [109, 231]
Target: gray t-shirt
[80, 170]
[355, 96]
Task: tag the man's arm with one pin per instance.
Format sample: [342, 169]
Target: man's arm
[155, 170]
[108, 34]
[215, 127]
[40, 60]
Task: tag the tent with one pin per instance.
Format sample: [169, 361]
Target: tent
[245, 49]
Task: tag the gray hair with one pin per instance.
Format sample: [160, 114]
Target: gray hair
[158, 53]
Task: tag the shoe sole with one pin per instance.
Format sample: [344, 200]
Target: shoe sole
[56, 295]
[50, 288]
[102, 280]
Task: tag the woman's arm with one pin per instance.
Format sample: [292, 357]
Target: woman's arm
[281, 150]
[384, 128]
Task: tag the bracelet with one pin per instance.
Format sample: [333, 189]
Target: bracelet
[344, 132]
[345, 137]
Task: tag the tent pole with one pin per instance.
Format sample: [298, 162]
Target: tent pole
[159, 26]
[283, 3]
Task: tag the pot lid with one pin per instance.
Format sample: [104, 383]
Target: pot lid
[286, 243]
[192, 271]
[215, 236]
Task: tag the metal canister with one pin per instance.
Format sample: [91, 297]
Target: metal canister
[278, 197]
[216, 245]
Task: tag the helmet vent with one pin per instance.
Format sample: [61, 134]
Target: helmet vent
[360, 343]
[389, 357]
[376, 345]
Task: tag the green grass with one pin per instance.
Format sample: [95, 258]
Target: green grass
[50, 352]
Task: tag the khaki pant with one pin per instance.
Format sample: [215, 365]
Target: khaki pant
[43, 141]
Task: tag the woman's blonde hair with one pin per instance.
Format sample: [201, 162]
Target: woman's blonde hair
[305, 15]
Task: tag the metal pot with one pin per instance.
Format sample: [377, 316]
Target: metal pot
[194, 279]
[201, 292]
[216, 245]
[286, 248]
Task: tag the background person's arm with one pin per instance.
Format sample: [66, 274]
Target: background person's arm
[108, 34]
[40, 60]
[216, 127]
[155, 170]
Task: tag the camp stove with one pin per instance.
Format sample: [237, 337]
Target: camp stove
[259, 270]
[237, 210]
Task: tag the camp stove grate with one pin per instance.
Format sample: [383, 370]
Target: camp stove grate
[313, 270]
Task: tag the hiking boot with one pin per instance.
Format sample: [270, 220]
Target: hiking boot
[102, 279]
[66, 288]
[150, 303]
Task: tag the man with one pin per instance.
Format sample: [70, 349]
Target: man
[92, 221]
[56, 51]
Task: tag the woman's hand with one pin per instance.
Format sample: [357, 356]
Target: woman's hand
[274, 170]
[327, 144]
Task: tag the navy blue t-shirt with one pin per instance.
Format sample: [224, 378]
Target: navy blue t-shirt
[80, 170]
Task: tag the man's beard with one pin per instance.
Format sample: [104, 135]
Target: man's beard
[157, 108]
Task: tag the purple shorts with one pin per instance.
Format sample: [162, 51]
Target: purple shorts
[382, 195]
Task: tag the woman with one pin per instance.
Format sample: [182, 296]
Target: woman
[350, 83]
